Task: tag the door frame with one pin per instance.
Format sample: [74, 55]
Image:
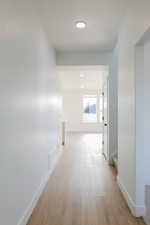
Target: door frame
[106, 82]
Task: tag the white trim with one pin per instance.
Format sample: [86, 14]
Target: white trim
[137, 210]
[24, 219]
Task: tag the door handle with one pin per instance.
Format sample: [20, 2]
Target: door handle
[105, 124]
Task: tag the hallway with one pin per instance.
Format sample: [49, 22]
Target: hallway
[83, 189]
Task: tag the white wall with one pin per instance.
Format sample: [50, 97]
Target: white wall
[147, 112]
[142, 111]
[139, 122]
[73, 111]
[142, 104]
[29, 110]
[113, 104]
[83, 58]
[135, 24]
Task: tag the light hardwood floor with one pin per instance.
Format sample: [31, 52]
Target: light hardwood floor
[83, 189]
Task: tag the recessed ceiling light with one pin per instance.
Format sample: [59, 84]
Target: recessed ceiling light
[82, 86]
[80, 24]
[81, 75]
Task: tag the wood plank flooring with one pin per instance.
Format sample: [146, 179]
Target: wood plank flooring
[83, 189]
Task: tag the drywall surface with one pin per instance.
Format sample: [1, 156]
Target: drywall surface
[83, 58]
[147, 202]
[146, 110]
[29, 110]
[73, 112]
[113, 104]
[135, 24]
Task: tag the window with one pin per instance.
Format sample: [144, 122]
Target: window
[90, 108]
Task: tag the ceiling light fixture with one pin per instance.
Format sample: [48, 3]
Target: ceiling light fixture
[80, 24]
[81, 75]
[82, 86]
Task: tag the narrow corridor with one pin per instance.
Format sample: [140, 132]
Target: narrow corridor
[83, 189]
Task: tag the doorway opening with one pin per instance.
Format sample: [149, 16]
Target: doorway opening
[85, 101]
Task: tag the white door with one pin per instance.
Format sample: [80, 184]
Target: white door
[105, 120]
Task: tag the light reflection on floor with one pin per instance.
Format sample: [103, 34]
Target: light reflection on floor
[90, 149]
[93, 142]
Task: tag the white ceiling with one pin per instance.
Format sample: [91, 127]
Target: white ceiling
[93, 77]
[103, 18]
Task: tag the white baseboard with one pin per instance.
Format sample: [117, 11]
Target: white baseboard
[137, 210]
[30, 208]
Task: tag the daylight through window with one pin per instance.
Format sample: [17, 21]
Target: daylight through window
[90, 108]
